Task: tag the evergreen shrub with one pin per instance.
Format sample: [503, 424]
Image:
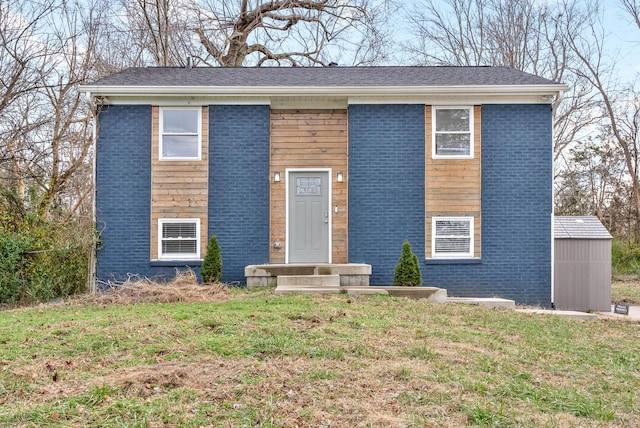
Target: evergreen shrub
[211, 269]
[407, 272]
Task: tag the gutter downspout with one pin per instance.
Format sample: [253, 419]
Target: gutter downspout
[554, 107]
[94, 240]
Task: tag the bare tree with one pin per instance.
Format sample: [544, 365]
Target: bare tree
[593, 172]
[24, 56]
[527, 35]
[47, 128]
[620, 103]
[256, 32]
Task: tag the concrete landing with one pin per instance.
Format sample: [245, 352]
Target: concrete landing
[565, 314]
[489, 302]
[329, 284]
[351, 274]
[498, 303]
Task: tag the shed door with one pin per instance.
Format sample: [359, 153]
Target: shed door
[309, 222]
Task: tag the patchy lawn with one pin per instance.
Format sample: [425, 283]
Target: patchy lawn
[251, 358]
[626, 289]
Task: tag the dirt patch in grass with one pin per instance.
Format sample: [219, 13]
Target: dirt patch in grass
[302, 392]
[183, 289]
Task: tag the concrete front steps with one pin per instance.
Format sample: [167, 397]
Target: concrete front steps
[350, 274]
[350, 278]
[325, 284]
[329, 284]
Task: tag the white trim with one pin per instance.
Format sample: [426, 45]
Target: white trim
[161, 134]
[287, 171]
[94, 208]
[468, 255]
[554, 89]
[553, 256]
[174, 256]
[463, 99]
[452, 99]
[434, 154]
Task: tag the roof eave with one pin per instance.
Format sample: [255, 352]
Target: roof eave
[240, 91]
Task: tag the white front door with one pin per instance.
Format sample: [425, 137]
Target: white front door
[309, 217]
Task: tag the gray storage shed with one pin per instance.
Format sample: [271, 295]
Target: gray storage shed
[582, 269]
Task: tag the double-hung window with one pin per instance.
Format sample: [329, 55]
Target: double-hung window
[452, 237]
[452, 132]
[180, 133]
[179, 238]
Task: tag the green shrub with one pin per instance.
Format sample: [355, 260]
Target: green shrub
[13, 249]
[625, 257]
[407, 272]
[57, 273]
[211, 269]
[42, 262]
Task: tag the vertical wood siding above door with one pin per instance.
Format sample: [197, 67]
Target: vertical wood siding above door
[309, 139]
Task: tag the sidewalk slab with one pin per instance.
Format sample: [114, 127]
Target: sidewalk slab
[489, 302]
[634, 313]
[566, 314]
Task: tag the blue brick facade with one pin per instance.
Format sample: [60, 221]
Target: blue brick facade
[386, 190]
[123, 193]
[386, 185]
[239, 186]
[386, 195]
[516, 210]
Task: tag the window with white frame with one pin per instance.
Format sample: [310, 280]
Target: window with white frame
[452, 132]
[452, 237]
[179, 238]
[180, 131]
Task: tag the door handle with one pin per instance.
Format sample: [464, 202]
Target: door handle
[326, 218]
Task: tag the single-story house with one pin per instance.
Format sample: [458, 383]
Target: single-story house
[330, 165]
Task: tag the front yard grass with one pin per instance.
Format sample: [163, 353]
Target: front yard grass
[256, 359]
[626, 289]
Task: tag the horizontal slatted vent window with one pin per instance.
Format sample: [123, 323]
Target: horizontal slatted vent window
[452, 237]
[179, 239]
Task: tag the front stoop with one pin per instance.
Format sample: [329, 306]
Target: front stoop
[351, 274]
[350, 278]
[329, 284]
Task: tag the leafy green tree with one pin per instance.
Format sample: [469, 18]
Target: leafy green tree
[211, 269]
[408, 269]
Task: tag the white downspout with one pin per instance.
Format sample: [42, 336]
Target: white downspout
[554, 106]
[94, 249]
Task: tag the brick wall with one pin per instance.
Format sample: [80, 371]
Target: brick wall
[386, 185]
[123, 177]
[239, 186]
[386, 188]
[516, 211]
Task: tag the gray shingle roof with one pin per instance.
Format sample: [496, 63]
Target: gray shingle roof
[583, 227]
[321, 77]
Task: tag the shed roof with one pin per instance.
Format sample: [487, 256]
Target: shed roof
[579, 227]
[321, 76]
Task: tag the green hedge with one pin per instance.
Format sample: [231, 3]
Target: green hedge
[37, 267]
[625, 257]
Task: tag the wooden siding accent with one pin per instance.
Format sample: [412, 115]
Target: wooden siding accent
[453, 186]
[179, 189]
[309, 139]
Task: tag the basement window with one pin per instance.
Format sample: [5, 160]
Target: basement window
[452, 132]
[180, 133]
[452, 237]
[179, 238]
